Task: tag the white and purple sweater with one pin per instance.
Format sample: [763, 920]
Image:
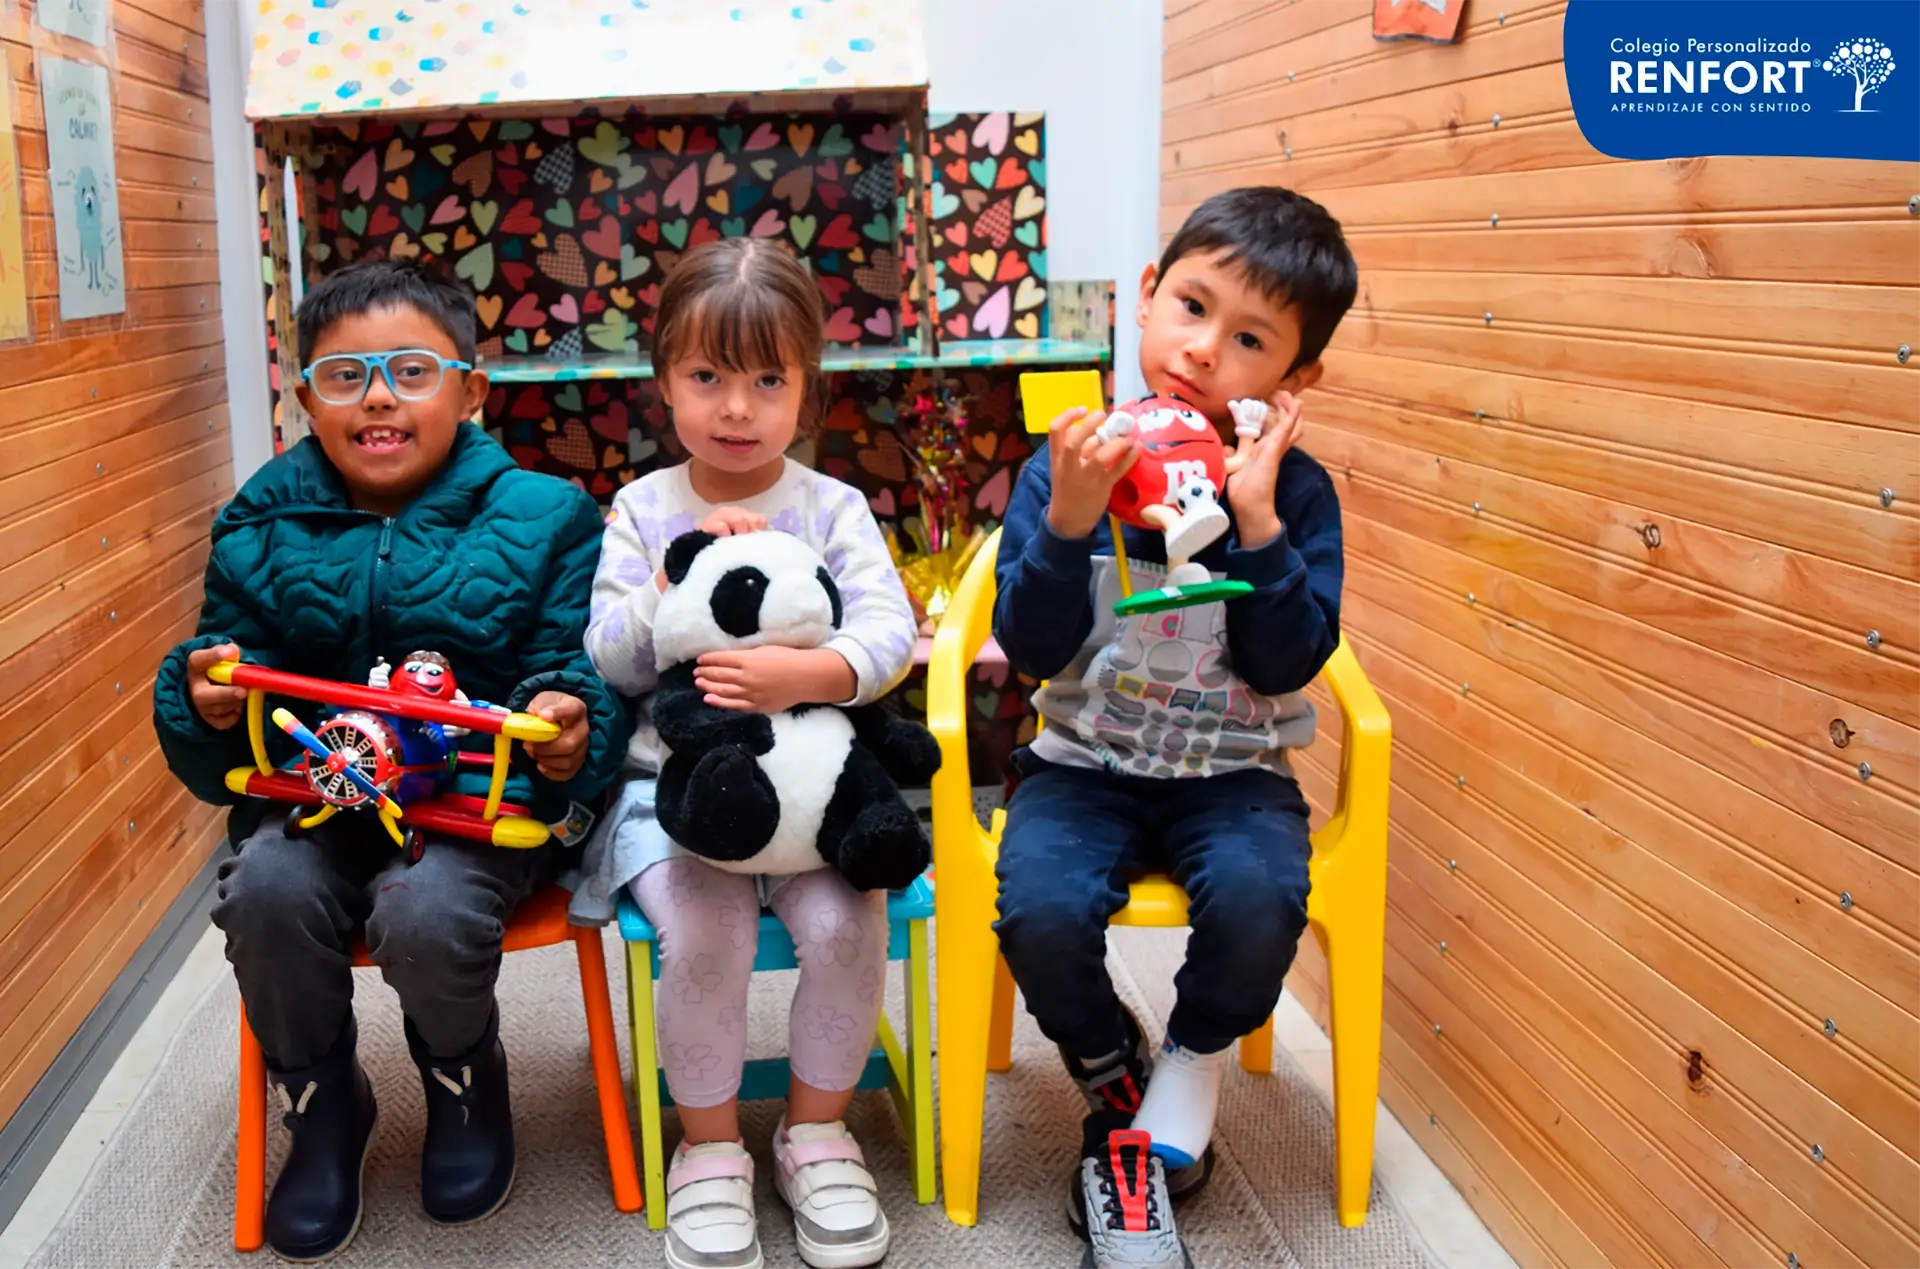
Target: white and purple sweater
[877, 632]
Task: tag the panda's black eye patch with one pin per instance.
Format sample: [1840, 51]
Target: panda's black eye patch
[736, 601]
[833, 594]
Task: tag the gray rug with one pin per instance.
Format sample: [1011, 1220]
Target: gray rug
[162, 1191]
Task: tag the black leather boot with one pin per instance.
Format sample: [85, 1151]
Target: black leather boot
[466, 1166]
[314, 1210]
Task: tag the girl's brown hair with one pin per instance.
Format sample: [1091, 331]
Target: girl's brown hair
[746, 304]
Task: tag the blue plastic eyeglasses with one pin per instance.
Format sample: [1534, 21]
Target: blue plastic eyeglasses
[412, 374]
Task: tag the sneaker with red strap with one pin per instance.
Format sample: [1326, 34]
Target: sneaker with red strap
[1117, 1081]
[1119, 1204]
[1114, 1086]
[710, 1222]
[821, 1174]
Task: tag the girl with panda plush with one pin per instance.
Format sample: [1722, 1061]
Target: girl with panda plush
[736, 351]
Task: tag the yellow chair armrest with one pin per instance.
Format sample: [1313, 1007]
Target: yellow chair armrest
[963, 630]
[1360, 804]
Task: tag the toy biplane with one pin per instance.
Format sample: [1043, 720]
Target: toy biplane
[388, 748]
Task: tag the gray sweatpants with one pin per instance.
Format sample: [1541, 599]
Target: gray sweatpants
[291, 907]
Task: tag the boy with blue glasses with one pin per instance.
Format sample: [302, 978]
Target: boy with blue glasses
[396, 526]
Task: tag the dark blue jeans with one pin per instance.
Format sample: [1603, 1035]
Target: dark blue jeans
[1076, 837]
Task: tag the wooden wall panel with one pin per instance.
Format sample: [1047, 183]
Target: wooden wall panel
[113, 459]
[1610, 440]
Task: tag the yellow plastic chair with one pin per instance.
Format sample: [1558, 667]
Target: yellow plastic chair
[1346, 909]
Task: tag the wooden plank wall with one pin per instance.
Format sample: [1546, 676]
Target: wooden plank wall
[113, 459]
[1611, 471]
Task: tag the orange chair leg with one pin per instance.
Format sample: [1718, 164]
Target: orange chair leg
[250, 1177]
[606, 1070]
[1000, 1030]
[1256, 1049]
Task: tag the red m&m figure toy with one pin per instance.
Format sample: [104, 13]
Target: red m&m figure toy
[1174, 487]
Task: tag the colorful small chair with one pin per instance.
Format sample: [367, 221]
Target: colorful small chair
[539, 922]
[1347, 910]
[906, 1071]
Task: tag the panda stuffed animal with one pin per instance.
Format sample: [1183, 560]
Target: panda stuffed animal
[791, 792]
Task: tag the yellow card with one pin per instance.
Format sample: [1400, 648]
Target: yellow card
[1046, 395]
[15, 320]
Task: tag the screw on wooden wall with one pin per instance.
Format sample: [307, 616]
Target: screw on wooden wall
[113, 616]
[103, 544]
[1487, 317]
[1839, 733]
[1650, 534]
[1459, 782]
[1443, 947]
[1480, 416]
[1819, 1155]
[1496, 120]
[1866, 770]
[1494, 220]
[1465, 688]
[131, 826]
[1471, 598]
[1886, 497]
[1500, 18]
[116, 689]
[99, 469]
[1436, 1028]
[1903, 352]
[1846, 901]
[1453, 865]
[1830, 1029]
[1476, 508]
[1913, 205]
[1793, 1261]
[1873, 640]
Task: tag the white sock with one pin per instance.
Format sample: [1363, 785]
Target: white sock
[1181, 1099]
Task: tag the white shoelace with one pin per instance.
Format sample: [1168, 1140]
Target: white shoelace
[457, 1087]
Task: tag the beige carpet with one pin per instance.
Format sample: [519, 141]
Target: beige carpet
[162, 1191]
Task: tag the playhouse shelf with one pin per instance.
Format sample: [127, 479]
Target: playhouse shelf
[953, 354]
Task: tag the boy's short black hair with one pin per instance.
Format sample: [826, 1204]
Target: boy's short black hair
[1287, 246]
[372, 284]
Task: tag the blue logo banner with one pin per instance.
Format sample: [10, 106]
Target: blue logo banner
[1664, 79]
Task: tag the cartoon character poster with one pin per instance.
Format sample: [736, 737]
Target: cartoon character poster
[84, 188]
[81, 19]
[15, 319]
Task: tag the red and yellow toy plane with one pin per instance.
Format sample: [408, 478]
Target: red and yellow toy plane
[387, 748]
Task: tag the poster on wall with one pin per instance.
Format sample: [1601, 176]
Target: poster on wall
[15, 320]
[1436, 20]
[80, 19]
[84, 188]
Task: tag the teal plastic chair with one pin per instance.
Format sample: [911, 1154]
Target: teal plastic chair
[905, 1070]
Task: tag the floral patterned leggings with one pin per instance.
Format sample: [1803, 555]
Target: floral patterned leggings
[708, 924]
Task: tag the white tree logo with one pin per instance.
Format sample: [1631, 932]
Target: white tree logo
[1869, 62]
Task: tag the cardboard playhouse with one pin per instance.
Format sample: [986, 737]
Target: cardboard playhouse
[560, 155]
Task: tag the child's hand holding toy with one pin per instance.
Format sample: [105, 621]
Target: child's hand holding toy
[217, 703]
[1087, 464]
[1266, 432]
[561, 758]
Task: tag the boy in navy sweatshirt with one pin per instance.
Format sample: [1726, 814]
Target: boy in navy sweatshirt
[1166, 735]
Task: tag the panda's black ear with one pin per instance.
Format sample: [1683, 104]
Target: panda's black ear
[833, 594]
[680, 553]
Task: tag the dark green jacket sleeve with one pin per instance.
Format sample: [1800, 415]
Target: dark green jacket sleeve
[554, 657]
[198, 754]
